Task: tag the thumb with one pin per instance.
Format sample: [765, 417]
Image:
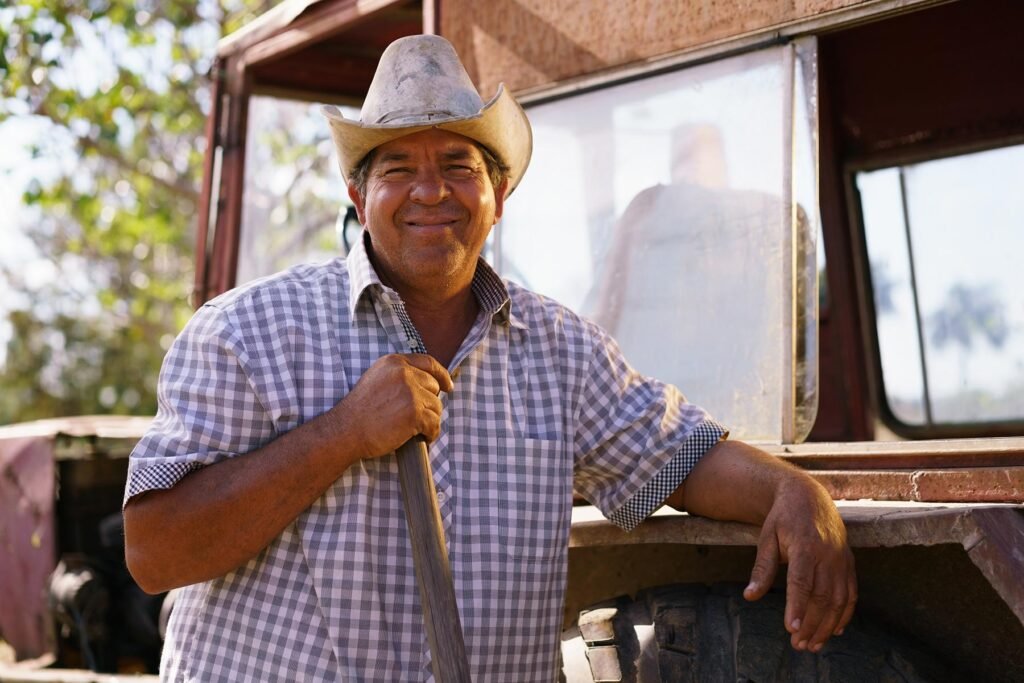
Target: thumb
[766, 565]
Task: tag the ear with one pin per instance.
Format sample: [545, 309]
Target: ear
[499, 199]
[357, 200]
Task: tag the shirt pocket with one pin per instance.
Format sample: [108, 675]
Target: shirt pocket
[535, 497]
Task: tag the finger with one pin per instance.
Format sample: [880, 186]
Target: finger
[429, 365]
[766, 565]
[833, 605]
[428, 421]
[799, 582]
[851, 597]
[430, 430]
[816, 610]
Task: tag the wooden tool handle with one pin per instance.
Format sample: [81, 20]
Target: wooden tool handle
[430, 557]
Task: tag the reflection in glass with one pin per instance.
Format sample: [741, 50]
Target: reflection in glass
[960, 285]
[663, 210]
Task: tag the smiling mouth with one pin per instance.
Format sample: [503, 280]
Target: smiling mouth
[438, 222]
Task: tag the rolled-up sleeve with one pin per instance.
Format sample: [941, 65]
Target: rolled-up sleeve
[636, 438]
[207, 408]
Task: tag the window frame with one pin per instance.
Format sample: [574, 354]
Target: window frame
[877, 391]
[801, 48]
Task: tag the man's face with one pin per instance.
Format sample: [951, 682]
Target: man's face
[429, 207]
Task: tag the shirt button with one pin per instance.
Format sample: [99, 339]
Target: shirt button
[456, 372]
[441, 497]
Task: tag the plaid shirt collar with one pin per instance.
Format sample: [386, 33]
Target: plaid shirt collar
[491, 293]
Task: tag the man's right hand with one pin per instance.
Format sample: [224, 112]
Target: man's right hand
[395, 400]
[222, 515]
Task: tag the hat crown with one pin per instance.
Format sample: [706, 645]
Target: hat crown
[419, 80]
[421, 83]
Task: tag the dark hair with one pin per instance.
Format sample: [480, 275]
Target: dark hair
[496, 170]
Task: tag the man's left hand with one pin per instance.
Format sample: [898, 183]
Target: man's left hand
[803, 529]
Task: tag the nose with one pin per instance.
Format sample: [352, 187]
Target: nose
[429, 187]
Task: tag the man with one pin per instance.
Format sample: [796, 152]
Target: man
[267, 484]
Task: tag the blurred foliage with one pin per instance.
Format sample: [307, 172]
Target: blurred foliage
[884, 286]
[123, 86]
[968, 313]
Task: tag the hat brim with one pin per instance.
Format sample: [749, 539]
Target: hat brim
[501, 126]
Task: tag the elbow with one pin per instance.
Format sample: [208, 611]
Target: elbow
[140, 554]
[144, 578]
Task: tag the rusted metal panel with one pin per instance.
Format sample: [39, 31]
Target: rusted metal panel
[294, 24]
[870, 485]
[983, 485]
[896, 525]
[528, 43]
[270, 23]
[989, 452]
[869, 525]
[953, 470]
[321, 49]
[27, 545]
[997, 549]
[318, 23]
[590, 529]
[893, 106]
[978, 485]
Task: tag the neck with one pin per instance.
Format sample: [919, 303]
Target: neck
[443, 314]
[443, 325]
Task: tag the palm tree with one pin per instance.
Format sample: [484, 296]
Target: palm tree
[967, 314]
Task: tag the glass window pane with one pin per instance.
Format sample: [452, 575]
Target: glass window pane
[657, 208]
[894, 301]
[966, 218]
[810, 255]
[294, 200]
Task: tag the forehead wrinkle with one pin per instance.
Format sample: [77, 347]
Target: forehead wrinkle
[456, 152]
[392, 155]
[459, 153]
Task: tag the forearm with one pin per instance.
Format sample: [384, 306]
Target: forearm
[217, 518]
[738, 482]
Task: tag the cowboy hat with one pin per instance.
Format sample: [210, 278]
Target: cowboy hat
[419, 84]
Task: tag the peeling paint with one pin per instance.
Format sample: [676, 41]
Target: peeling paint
[915, 486]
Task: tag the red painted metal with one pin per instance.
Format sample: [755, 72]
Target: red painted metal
[27, 545]
[213, 141]
[229, 221]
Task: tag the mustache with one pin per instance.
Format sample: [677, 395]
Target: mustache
[429, 216]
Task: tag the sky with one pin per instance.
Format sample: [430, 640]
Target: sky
[966, 218]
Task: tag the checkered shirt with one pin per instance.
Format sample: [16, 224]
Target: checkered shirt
[543, 405]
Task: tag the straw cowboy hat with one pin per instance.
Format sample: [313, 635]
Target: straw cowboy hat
[419, 84]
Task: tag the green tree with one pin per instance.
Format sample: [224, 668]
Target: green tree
[122, 86]
[969, 313]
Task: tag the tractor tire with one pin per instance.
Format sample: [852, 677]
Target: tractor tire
[691, 632]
